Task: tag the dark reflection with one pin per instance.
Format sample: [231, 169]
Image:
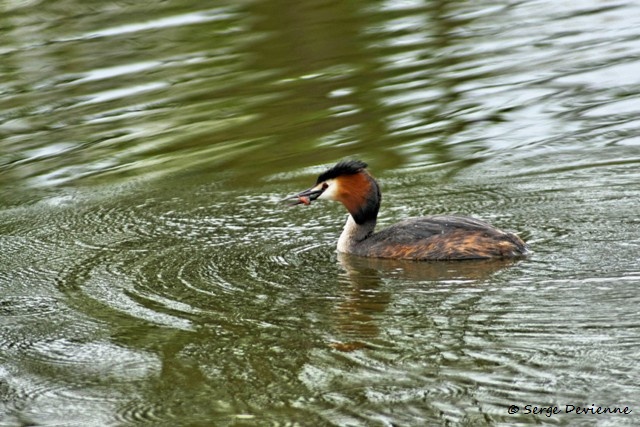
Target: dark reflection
[339, 88]
[324, 79]
[265, 83]
[475, 270]
[153, 312]
[363, 298]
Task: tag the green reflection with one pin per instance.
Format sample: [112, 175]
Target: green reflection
[147, 274]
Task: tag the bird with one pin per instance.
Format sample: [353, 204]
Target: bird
[436, 237]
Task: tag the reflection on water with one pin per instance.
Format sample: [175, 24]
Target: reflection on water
[446, 272]
[149, 276]
[364, 301]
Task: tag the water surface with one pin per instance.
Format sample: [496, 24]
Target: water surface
[149, 276]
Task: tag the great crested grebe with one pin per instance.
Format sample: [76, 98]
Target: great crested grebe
[438, 237]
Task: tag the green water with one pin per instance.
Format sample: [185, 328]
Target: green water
[149, 274]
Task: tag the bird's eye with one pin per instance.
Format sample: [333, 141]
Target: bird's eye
[325, 185]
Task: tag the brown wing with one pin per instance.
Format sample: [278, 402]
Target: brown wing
[442, 237]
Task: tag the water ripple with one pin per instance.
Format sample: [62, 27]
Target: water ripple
[141, 412]
[149, 276]
[21, 306]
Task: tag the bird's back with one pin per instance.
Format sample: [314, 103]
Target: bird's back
[441, 237]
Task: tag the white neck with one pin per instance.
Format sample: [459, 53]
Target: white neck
[354, 233]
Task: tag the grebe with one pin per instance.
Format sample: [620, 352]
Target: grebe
[438, 237]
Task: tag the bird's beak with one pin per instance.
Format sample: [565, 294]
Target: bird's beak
[305, 197]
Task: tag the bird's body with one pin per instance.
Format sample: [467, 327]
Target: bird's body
[438, 237]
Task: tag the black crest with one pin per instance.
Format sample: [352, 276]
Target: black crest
[344, 167]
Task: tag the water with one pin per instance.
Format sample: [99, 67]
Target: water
[149, 276]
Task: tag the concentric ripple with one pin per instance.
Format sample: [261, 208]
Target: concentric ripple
[172, 267]
[149, 275]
